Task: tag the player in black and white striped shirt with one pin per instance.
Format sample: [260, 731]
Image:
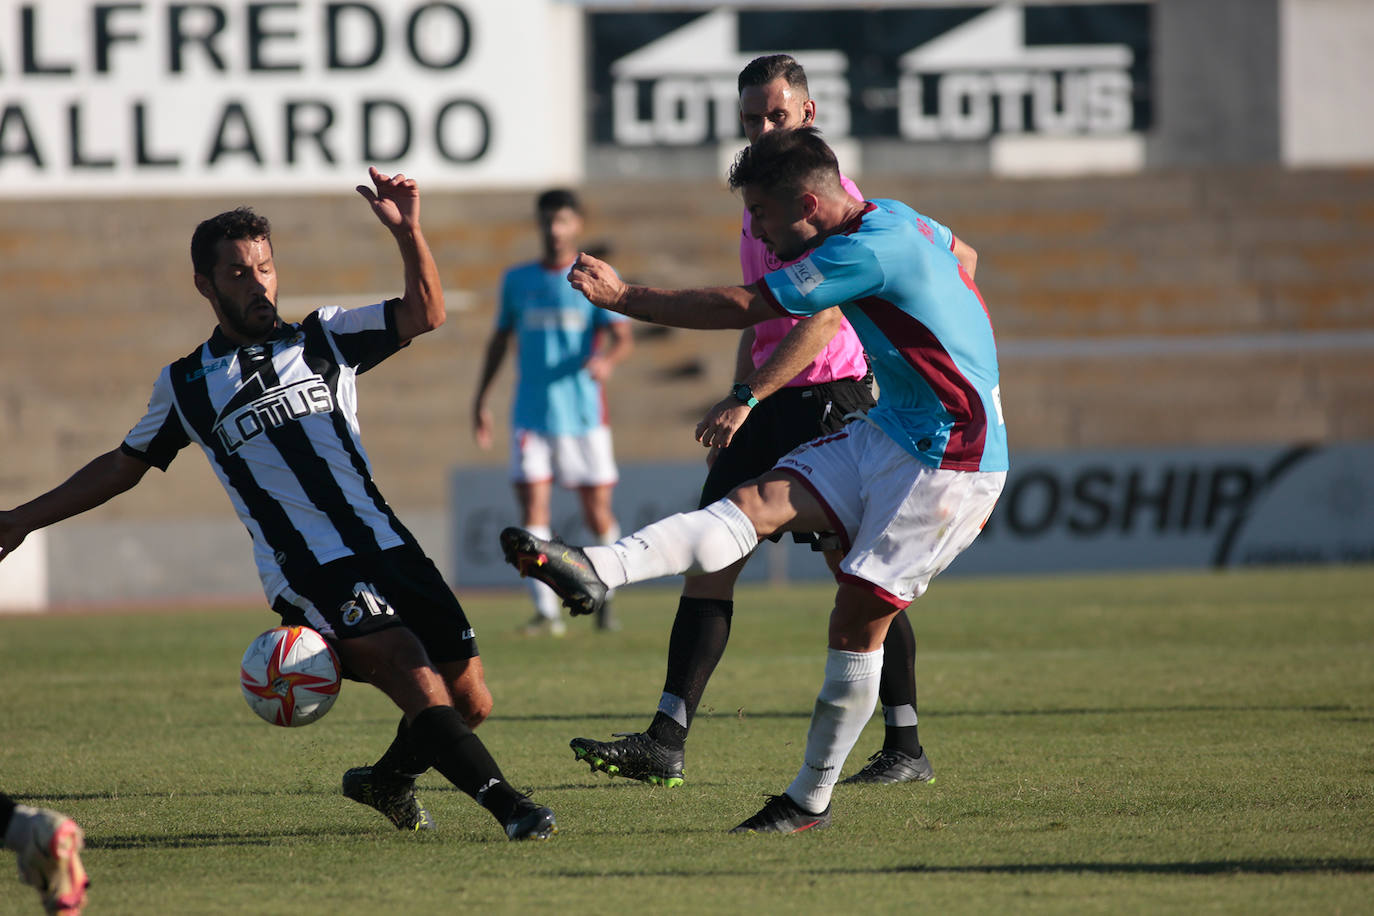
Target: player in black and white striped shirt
[274, 408]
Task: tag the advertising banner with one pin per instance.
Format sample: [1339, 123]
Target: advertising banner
[293, 95]
[931, 73]
[1136, 509]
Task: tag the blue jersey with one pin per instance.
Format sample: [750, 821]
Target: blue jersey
[923, 325]
[555, 329]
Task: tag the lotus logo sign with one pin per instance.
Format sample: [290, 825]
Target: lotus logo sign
[689, 79]
[958, 73]
[983, 78]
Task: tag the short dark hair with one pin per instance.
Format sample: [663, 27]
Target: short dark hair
[763, 70]
[233, 225]
[558, 199]
[787, 161]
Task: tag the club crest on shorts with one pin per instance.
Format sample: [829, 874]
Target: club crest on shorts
[366, 601]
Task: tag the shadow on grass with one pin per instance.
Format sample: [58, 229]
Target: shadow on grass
[1221, 867]
[47, 798]
[212, 840]
[948, 713]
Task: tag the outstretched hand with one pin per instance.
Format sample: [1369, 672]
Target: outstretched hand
[718, 427]
[396, 200]
[596, 280]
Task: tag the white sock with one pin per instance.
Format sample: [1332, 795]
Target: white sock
[17, 836]
[610, 536]
[697, 542]
[843, 707]
[546, 603]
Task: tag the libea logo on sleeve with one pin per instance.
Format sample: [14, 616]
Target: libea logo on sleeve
[804, 275]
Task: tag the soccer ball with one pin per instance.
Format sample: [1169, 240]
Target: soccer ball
[290, 676]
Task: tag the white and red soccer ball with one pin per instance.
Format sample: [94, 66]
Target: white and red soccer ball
[290, 676]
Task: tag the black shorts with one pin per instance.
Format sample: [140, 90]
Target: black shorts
[362, 594]
[780, 423]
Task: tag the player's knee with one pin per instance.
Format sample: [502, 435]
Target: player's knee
[477, 712]
[474, 703]
[762, 507]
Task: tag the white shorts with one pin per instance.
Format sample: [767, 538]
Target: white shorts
[900, 521]
[578, 461]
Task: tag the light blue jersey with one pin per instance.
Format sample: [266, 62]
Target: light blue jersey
[555, 330]
[923, 325]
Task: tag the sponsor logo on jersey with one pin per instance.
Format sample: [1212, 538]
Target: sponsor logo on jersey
[804, 275]
[553, 318]
[208, 368]
[272, 410]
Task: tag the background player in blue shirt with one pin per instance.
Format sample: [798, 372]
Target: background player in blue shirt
[565, 349]
[907, 489]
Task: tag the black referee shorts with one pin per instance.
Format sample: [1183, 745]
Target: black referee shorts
[362, 594]
[780, 423]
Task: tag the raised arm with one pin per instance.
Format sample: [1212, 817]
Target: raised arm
[713, 307]
[98, 482]
[396, 202]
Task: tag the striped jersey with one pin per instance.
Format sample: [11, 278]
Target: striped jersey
[923, 324]
[278, 422]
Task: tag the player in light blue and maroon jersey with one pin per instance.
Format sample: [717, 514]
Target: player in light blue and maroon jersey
[907, 489]
[795, 379]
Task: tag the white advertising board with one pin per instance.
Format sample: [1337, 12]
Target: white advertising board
[1138, 509]
[290, 95]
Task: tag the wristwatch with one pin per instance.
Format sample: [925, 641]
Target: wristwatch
[744, 394]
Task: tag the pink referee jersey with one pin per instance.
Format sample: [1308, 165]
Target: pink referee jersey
[842, 358]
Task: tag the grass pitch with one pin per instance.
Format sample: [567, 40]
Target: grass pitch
[1183, 743]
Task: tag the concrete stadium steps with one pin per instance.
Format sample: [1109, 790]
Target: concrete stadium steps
[1162, 399]
[98, 296]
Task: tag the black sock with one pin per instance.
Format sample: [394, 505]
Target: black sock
[440, 733]
[402, 760]
[897, 684]
[700, 632]
[6, 812]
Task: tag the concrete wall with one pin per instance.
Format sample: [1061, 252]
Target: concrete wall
[1216, 71]
[1327, 80]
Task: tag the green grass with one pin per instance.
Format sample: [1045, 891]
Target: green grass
[1183, 743]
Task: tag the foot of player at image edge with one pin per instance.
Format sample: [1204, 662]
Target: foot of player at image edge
[438, 736]
[48, 848]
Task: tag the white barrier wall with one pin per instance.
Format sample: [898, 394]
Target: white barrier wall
[1179, 508]
[24, 576]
